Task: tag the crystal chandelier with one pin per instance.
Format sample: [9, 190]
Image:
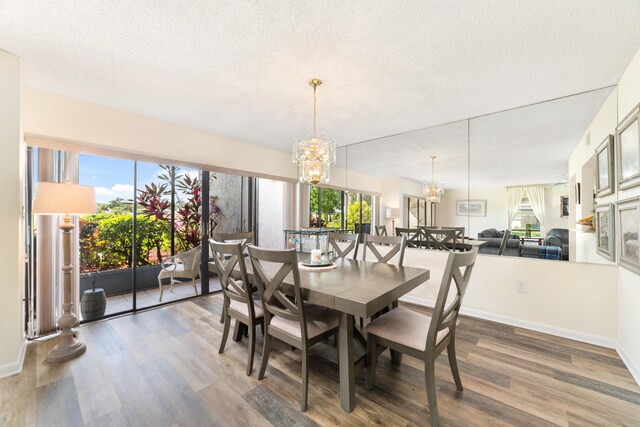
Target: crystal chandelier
[433, 192]
[314, 155]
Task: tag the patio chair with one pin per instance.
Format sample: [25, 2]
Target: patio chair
[421, 336]
[185, 266]
[238, 299]
[295, 322]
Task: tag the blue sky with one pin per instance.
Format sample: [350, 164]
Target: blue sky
[114, 177]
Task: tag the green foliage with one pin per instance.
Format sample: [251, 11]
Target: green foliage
[117, 206]
[106, 241]
[330, 206]
[353, 214]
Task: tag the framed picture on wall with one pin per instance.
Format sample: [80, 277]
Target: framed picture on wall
[564, 206]
[628, 232]
[628, 149]
[471, 207]
[605, 231]
[605, 167]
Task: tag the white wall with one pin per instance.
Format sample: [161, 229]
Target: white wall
[11, 250]
[552, 206]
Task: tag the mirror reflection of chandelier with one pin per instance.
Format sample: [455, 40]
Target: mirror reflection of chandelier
[314, 155]
[433, 192]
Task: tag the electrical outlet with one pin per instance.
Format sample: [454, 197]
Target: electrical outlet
[521, 287]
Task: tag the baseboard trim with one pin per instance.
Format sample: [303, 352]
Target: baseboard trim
[526, 324]
[15, 367]
[634, 369]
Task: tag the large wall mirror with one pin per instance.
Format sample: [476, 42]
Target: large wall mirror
[504, 170]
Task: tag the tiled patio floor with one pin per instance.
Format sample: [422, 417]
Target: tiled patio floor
[150, 297]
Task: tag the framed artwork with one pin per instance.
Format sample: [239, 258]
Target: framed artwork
[471, 207]
[564, 206]
[628, 226]
[605, 231]
[628, 149]
[605, 167]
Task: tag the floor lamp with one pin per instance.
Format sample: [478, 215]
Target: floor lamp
[65, 199]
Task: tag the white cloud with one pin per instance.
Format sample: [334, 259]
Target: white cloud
[104, 195]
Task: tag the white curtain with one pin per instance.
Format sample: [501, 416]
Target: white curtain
[514, 197]
[536, 198]
[302, 216]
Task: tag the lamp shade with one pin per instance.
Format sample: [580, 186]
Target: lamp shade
[528, 220]
[64, 199]
[392, 213]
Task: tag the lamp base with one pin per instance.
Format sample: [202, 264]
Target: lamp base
[68, 347]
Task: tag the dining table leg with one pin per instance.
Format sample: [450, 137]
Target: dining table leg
[346, 363]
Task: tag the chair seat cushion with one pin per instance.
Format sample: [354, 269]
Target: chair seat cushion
[319, 320]
[242, 308]
[405, 327]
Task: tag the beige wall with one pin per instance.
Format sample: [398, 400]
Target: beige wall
[618, 104]
[11, 250]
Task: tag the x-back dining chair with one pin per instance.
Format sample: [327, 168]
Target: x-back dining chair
[459, 235]
[440, 239]
[421, 336]
[238, 299]
[396, 245]
[293, 321]
[503, 243]
[336, 238]
[413, 235]
[381, 230]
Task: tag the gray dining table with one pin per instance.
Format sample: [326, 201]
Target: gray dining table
[354, 288]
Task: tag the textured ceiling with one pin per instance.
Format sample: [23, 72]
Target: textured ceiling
[240, 68]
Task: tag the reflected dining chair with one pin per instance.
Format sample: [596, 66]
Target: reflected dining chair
[440, 239]
[238, 299]
[353, 239]
[381, 230]
[413, 235]
[503, 243]
[425, 337]
[459, 235]
[297, 323]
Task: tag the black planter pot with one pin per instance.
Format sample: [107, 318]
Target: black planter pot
[93, 304]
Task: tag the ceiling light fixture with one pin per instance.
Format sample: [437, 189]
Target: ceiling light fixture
[433, 192]
[314, 155]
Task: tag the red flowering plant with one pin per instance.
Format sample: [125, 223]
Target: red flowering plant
[154, 201]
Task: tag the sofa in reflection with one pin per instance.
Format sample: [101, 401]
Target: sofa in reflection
[559, 237]
[493, 238]
[555, 246]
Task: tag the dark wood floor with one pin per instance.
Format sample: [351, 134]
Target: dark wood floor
[162, 368]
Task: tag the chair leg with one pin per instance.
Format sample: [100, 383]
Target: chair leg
[238, 331]
[252, 347]
[371, 362]
[396, 357]
[453, 363]
[225, 334]
[266, 349]
[430, 377]
[161, 289]
[305, 379]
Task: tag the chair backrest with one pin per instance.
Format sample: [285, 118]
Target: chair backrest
[226, 257]
[381, 230]
[396, 244]
[503, 243]
[458, 270]
[190, 259]
[270, 268]
[459, 237]
[245, 238]
[437, 238]
[413, 236]
[334, 238]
